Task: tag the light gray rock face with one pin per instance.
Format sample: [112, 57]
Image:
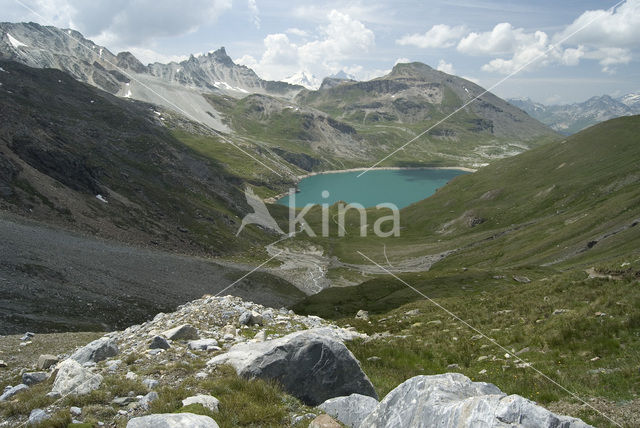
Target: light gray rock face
[310, 365]
[10, 392]
[173, 420]
[350, 410]
[207, 401]
[45, 361]
[34, 378]
[182, 332]
[452, 399]
[98, 350]
[73, 378]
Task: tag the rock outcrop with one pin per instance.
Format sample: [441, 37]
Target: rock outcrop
[74, 379]
[173, 420]
[98, 350]
[350, 410]
[310, 365]
[452, 399]
[12, 390]
[182, 332]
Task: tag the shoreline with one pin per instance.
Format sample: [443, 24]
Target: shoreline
[386, 168]
[276, 198]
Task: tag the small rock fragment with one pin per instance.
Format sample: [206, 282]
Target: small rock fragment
[207, 401]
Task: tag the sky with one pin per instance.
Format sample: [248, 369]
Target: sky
[553, 52]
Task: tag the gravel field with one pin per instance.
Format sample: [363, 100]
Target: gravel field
[54, 280]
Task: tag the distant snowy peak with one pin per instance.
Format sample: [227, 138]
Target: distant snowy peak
[527, 104]
[571, 118]
[631, 100]
[304, 78]
[343, 75]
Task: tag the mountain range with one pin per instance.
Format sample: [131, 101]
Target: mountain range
[568, 119]
[343, 123]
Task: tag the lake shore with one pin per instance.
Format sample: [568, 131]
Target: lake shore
[386, 168]
[274, 199]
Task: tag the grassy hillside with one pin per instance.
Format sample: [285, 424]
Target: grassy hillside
[560, 205]
[62, 143]
[545, 260]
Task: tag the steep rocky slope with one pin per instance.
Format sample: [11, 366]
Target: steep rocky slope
[73, 155]
[165, 365]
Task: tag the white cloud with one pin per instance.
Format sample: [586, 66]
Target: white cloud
[439, 36]
[125, 23]
[297, 32]
[607, 36]
[528, 50]
[402, 61]
[502, 39]
[445, 67]
[255, 12]
[340, 38]
[610, 57]
[606, 28]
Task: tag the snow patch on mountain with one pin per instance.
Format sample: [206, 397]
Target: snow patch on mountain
[631, 100]
[15, 42]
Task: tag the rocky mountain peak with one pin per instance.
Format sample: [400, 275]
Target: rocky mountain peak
[128, 61]
[411, 70]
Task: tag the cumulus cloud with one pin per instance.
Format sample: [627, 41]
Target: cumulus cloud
[606, 28]
[607, 36]
[445, 67]
[439, 36]
[340, 38]
[502, 39]
[527, 49]
[125, 23]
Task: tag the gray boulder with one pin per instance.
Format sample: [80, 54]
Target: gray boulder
[98, 350]
[159, 342]
[310, 365]
[173, 420]
[250, 318]
[33, 378]
[11, 391]
[350, 410]
[146, 401]
[182, 332]
[452, 399]
[45, 361]
[73, 378]
[37, 416]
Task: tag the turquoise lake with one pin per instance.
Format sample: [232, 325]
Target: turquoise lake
[401, 187]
